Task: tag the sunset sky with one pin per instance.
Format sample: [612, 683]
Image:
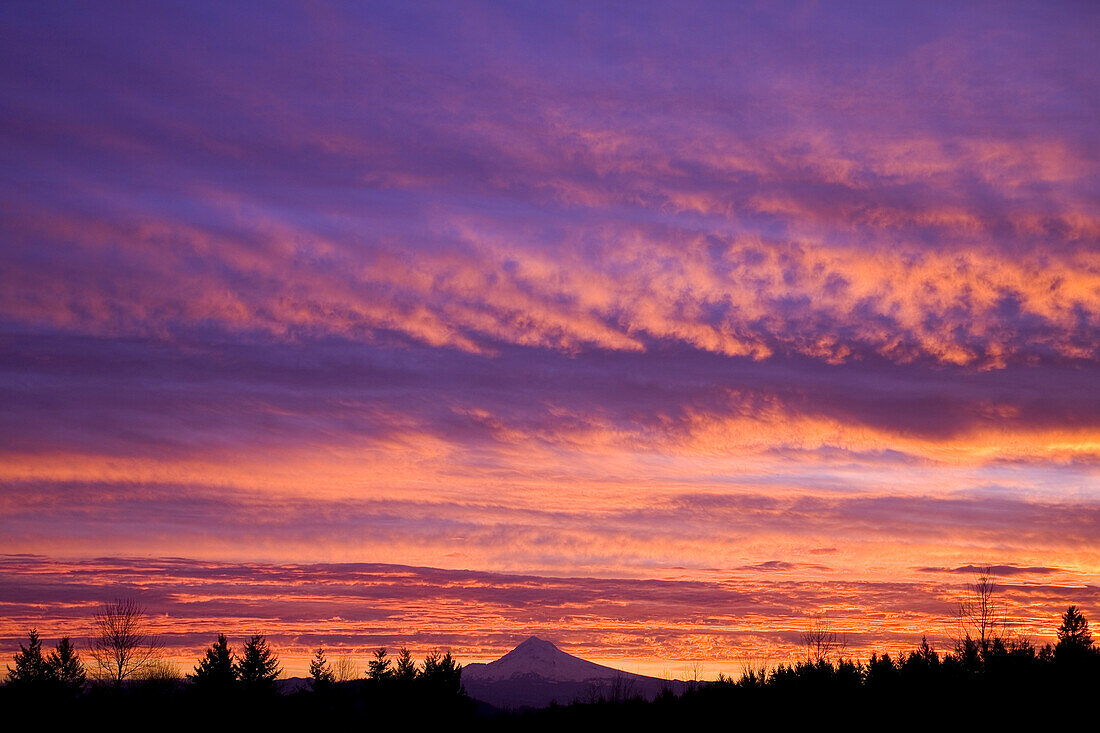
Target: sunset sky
[651, 329]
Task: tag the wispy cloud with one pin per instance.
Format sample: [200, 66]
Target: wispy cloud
[354, 607]
[554, 289]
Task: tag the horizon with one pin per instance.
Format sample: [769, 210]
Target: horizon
[426, 621]
[660, 329]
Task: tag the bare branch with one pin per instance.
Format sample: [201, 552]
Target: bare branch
[121, 644]
[821, 641]
[981, 616]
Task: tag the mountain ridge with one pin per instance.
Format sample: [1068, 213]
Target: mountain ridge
[536, 673]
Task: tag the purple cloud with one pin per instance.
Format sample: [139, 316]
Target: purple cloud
[551, 289]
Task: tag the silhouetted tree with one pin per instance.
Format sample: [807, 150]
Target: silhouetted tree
[159, 677]
[405, 669]
[431, 664]
[321, 672]
[926, 654]
[345, 668]
[442, 673]
[65, 668]
[882, 673]
[379, 667]
[30, 666]
[258, 667]
[1074, 638]
[621, 689]
[215, 671]
[968, 655]
[122, 645]
[1074, 631]
[820, 640]
[752, 676]
[980, 615]
[920, 666]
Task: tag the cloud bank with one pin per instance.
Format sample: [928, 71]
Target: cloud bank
[606, 292]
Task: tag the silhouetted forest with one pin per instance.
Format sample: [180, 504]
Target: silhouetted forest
[987, 675]
[127, 676]
[985, 680]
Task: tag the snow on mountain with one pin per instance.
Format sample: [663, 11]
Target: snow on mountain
[536, 672]
[539, 658]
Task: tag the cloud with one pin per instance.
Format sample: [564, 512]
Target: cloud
[545, 291]
[140, 397]
[549, 529]
[782, 566]
[995, 570]
[354, 607]
[455, 219]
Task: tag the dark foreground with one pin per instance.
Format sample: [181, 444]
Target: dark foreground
[1002, 685]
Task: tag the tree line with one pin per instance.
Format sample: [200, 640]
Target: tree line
[991, 682]
[122, 649]
[126, 672]
[986, 661]
[993, 657]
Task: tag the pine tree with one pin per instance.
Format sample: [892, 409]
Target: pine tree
[30, 667]
[925, 656]
[216, 669]
[259, 666]
[1074, 630]
[321, 672]
[379, 667]
[443, 673]
[406, 667]
[1074, 639]
[65, 668]
[450, 674]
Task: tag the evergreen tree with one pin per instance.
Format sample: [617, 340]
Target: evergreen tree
[882, 673]
[379, 667]
[1074, 630]
[30, 667]
[65, 668]
[926, 653]
[920, 666]
[406, 667]
[431, 662]
[1074, 639]
[216, 669]
[259, 666]
[443, 673]
[450, 673]
[321, 672]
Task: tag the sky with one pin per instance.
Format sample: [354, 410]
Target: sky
[658, 330]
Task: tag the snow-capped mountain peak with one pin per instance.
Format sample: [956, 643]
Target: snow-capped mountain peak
[537, 657]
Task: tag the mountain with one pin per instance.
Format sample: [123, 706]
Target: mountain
[536, 673]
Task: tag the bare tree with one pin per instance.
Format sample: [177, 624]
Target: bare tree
[821, 640]
[695, 674]
[980, 614]
[122, 645]
[619, 688]
[345, 668]
[159, 673]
